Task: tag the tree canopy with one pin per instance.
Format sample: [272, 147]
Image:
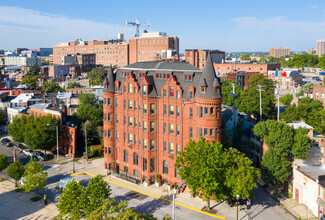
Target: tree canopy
[286, 100]
[250, 99]
[226, 89]
[3, 162]
[312, 111]
[97, 75]
[245, 57]
[34, 70]
[73, 85]
[34, 132]
[16, 171]
[35, 178]
[284, 144]
[2, 116]
[30, 81]
[50, 86]
[223, 172]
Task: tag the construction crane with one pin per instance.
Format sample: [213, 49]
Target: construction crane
[137, 26]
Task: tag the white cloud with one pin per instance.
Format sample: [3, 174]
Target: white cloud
[314, 6]
[35, 29]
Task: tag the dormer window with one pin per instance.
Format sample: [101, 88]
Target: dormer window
[216, 89]
[144, 90]
[188, 78]
[202, 89]
[190, 95]
[171, 91]
[116, 86]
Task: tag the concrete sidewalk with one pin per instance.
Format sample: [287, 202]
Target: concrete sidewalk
[222, 209]
[297, 209]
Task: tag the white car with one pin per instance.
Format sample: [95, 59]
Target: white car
[28, 152]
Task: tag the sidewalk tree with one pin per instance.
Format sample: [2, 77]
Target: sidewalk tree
[3, 162]
[219, 175]
[109, 207]
[16, 171]
[73, 85]
[30, 81]
[69, 204]
[97, 75]
[250, 98]
[35, 178]
[226, 89]
[94, 194]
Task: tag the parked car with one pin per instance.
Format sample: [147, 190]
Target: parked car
[5, 141]
[40, 156]
[9, 144]
[63, 182]
[19, 147]
[28, 152]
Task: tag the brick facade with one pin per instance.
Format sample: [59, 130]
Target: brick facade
[197, 57]
[246, 67]
[240, 77]
[319, 93]
[150, 112]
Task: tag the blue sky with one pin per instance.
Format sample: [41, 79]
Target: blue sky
[232, 26]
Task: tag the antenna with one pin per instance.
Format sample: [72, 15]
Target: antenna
[137, 26]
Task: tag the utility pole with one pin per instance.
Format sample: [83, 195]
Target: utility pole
[260, 90]
[277, 92]
[86, 140]
[234, 106]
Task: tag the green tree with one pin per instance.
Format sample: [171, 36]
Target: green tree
[73, 85]
[321, 63]
[69, 203]
[312, 111]
[34, 70]
[250, 99]
[35, 178]
[130, 214]
[226, 89]
[94, 195]
[50, 86]
[110, 207]
[97, 75]
[18, 127]
[245, 57]
[16, 171]
[39, 135]
[286, 100]
[89, 109]
[3, 162]
[223, 172]
[284, 144]
[275, 167]
[2, 116]
[30, 81]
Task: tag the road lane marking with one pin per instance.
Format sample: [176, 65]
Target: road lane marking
[188, 212]
[160, 203]
[148, 194]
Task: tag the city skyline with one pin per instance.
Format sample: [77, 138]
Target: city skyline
[228, 26]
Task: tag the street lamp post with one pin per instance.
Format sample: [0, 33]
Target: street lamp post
[57, 140]
[237, 204]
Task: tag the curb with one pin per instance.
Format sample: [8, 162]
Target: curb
[151, 195]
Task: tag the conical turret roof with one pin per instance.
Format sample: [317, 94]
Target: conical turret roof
[209, 80]
[109, 80]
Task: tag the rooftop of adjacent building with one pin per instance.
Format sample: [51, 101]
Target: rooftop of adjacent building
[162, 65]
[300, 124]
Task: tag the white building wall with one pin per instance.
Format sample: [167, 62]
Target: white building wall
[308, 190]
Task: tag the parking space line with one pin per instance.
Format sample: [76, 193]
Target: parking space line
[148, 194]
[160, 203]
[188, 212]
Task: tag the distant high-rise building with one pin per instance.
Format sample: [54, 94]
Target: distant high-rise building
[279, 52]
[311, 51]
[320, 47]
[198, 57]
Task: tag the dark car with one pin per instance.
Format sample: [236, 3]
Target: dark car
[40, 156]
[9, 144]
[5, 141]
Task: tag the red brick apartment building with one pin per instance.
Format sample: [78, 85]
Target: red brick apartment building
[148, 47]
[240, 77]
[319, 93]
[247, 67]
[68, 141]
[197, 57]
[151, 110]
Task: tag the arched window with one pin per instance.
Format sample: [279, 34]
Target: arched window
[126, 156]
[135, 159]
[165, 167]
